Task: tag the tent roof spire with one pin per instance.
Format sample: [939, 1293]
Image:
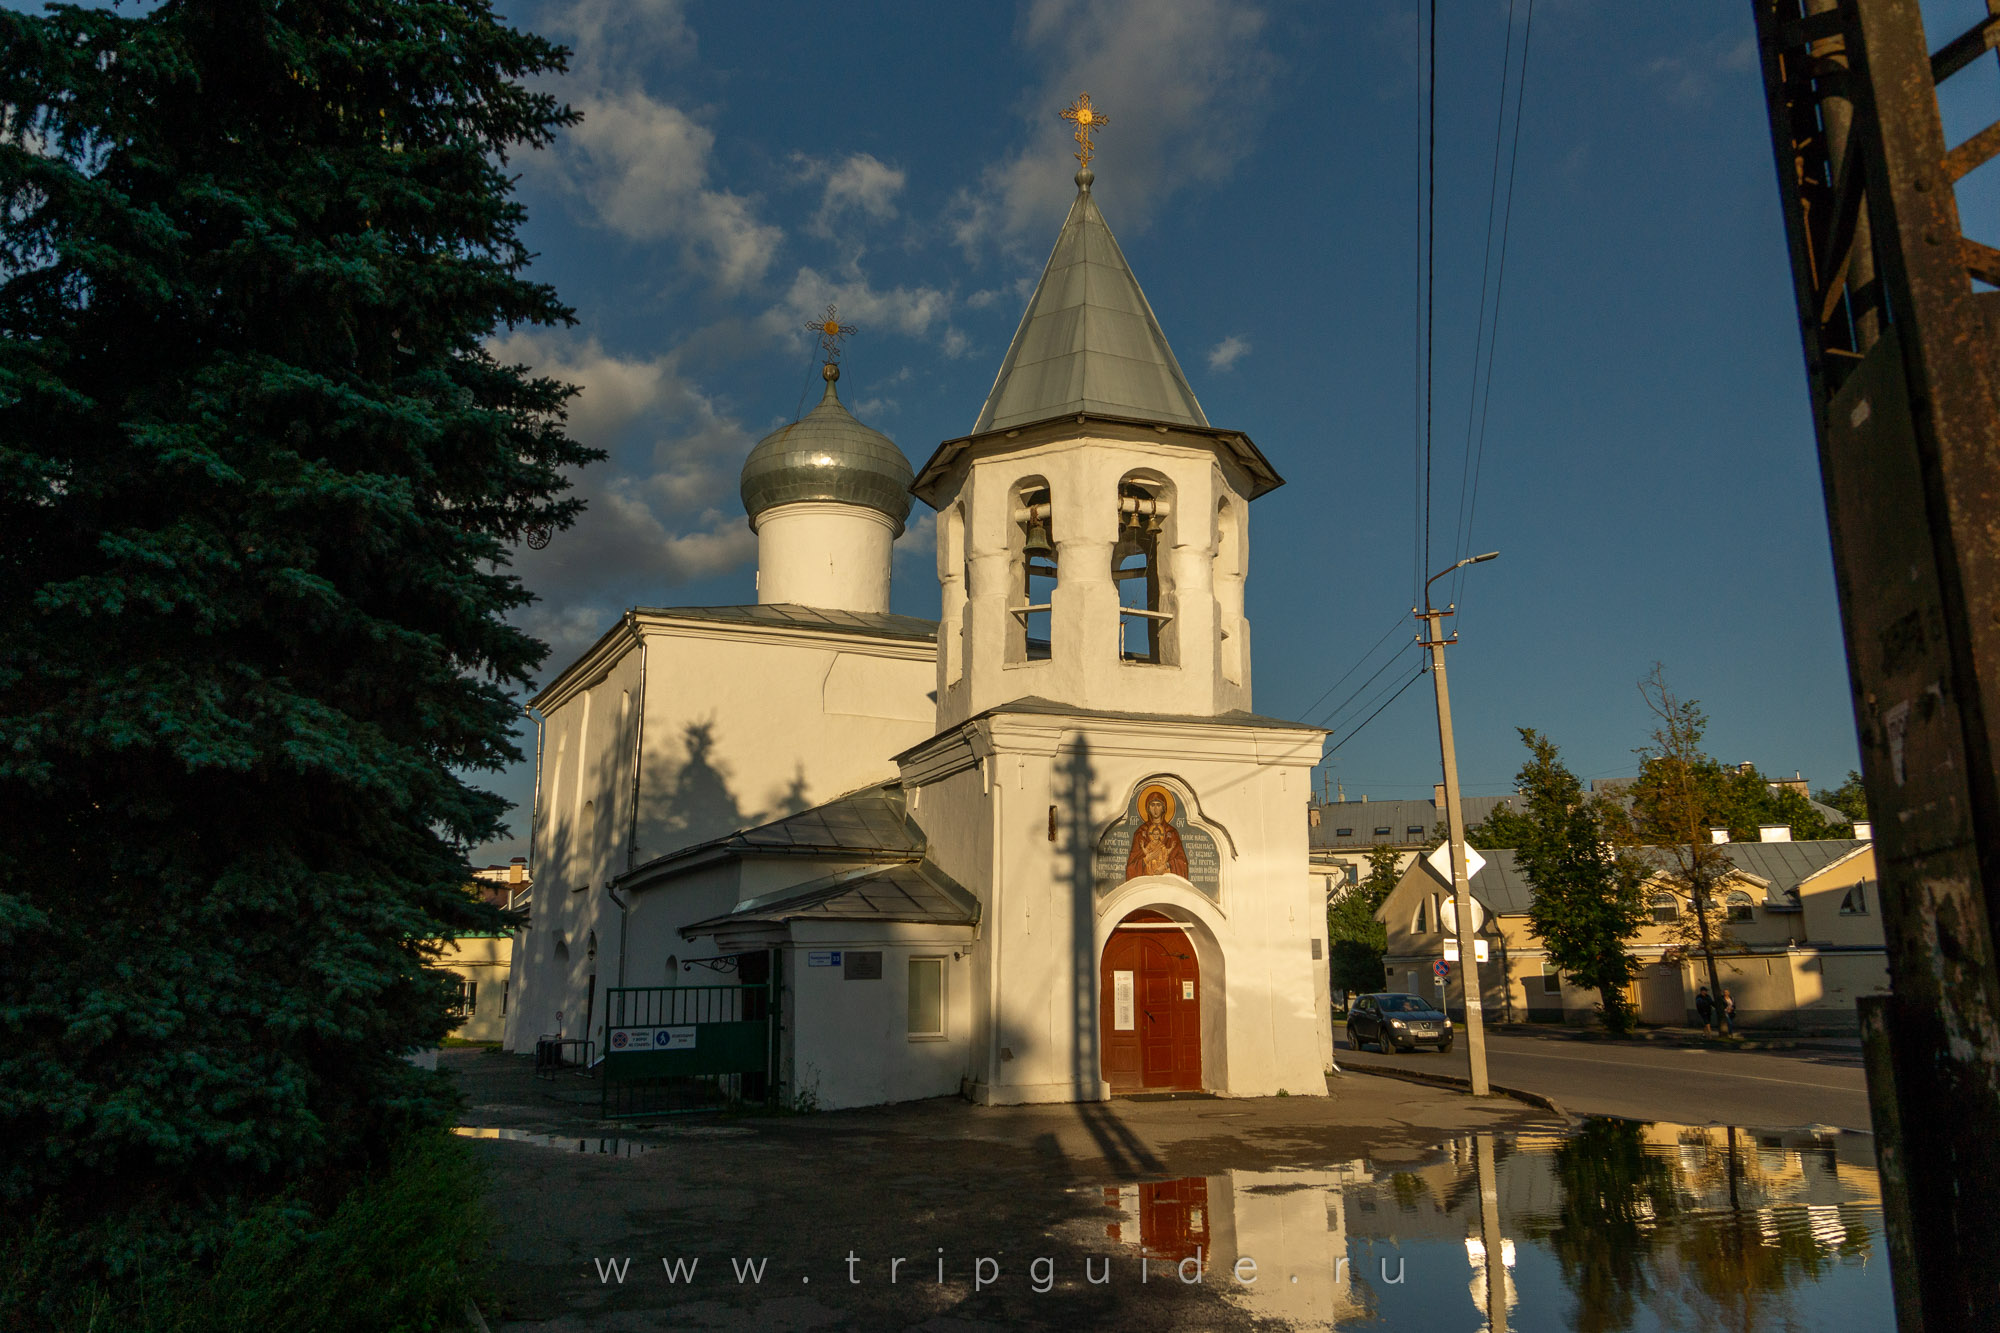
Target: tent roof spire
[1089, 341]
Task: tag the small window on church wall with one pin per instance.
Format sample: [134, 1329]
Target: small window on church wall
[1145, 621]
[926, 997]
[1031, 629]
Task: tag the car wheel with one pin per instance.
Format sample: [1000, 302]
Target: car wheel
[1444, 1047]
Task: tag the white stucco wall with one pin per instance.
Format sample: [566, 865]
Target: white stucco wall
[583, 810]
[745, 727]
[673, 732]
[834, 556]
[1265, 1016]
[848, 1040]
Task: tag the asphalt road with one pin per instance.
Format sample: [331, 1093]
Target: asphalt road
[1688, 1085]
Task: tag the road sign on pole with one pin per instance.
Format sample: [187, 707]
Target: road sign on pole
[1441, 968]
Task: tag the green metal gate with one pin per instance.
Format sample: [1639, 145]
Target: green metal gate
[671, 1049]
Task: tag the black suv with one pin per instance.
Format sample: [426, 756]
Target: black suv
[1397, 1023]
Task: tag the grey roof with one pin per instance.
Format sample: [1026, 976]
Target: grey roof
[1364, 817]
[790, 615]
[870, 824]
[1499, 885]
[827, 455]
[1505, 890]
[1785, 864]
[1088, 341]
[905, 891]
[1233, 718]
[1038, 707]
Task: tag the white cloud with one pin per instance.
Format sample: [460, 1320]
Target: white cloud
[1225, 354]
[567, 630]
[954, 344]
[661, 509]
[612, 41]
[1181, 83]
[916, 549]
[860, 185]
[614, 389]
[644, 168]
[907, 310]
[1691, 76]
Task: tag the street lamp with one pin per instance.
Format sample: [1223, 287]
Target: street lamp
[1454, 812]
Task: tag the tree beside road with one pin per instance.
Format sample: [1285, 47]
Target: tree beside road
[1586, 901]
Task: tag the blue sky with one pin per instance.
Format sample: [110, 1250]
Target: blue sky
[1648, 468]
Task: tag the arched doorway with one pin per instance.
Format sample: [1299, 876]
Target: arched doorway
[1149, 1007]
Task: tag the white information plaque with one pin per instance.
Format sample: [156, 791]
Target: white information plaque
[1121, 1001]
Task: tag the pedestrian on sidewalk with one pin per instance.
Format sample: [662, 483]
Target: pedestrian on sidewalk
[1704, 1005]
[1728, 1012]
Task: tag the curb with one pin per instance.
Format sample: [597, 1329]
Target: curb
[1829, 1042]
[1534, 1099]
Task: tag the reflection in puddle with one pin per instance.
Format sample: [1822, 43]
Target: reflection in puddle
[564, 1142]
[1616, 1226]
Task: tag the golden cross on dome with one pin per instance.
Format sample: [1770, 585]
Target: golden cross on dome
[830, 331]
[1088, 121]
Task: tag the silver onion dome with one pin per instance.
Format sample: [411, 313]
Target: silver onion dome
[827, 455]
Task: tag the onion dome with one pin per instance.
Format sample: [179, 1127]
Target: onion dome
[828, 456]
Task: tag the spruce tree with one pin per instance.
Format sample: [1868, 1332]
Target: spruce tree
[259, 479]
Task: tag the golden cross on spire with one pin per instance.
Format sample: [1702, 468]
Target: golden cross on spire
[830, 331]
[1088, 121]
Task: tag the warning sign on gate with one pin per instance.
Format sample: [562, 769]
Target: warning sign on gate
[673, 1039]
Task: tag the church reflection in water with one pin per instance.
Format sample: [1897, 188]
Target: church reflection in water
[1617, 1225]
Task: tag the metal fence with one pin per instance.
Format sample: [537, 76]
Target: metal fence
[554, 1054]
[671, 1049]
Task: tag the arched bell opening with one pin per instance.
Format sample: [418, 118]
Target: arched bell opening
[1145, 588]
[1033, 560]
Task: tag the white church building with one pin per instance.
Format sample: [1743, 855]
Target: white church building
[1041, 850]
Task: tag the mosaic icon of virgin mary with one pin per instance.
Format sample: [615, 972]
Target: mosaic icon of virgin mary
[1156, 845]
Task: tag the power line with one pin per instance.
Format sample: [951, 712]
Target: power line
[1476, 448]
[1430, 280]
[1417, 364]
[1485, 276]
[1361, 690]
[1377, 713]
[1393, 627]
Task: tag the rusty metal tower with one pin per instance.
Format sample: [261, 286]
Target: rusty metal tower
[1900, 350]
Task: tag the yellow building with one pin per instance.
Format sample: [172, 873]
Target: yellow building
[1805, 916]
[483, 962]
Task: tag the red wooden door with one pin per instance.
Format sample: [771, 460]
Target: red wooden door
[1149, 1012]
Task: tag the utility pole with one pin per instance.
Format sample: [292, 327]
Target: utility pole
[1904, 382]
[1454, 813]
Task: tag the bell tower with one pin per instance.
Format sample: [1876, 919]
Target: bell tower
[1093, 532]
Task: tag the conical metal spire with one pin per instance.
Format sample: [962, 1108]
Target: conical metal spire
[1089, 341]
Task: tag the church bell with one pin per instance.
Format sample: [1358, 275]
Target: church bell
[1038, 542]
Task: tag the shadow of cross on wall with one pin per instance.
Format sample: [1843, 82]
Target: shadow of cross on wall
[696, 802]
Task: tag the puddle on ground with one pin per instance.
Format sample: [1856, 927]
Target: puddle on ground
[1617, 1225]
[565, 1142]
